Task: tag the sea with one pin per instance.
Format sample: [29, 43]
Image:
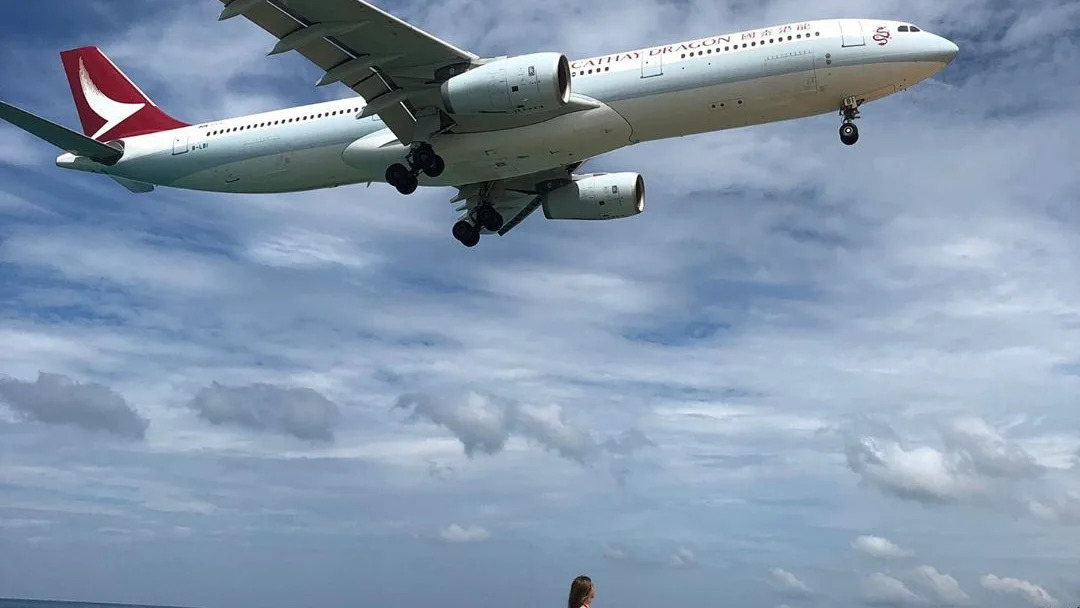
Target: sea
[6, 602]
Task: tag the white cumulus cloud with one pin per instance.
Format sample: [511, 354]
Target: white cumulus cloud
[876, 546]
[455, 533]
[1036, 595]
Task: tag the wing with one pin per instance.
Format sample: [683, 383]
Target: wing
[384, 59]
[396, 67]
[516, 198]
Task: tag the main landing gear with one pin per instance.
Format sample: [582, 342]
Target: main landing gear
[849, 133]
[422, 157]
[467, 231]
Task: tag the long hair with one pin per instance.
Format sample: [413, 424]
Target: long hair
[581, 591]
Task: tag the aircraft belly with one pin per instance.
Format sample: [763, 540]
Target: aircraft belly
[285, 171]
[872, 81]
[474, 157]
[819, 88]
[714, 108]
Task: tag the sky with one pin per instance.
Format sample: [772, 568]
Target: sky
[807, 375]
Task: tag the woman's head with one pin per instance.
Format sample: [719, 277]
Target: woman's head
[581, 592]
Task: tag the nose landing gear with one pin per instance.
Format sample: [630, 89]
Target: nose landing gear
[849, 133]
[422, 157]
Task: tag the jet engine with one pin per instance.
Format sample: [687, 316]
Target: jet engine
[527, 84]
[597, 196]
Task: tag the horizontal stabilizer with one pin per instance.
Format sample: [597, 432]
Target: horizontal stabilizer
[61, 137]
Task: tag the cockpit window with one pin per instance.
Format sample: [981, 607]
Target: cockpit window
[914, 29]
[902, 28]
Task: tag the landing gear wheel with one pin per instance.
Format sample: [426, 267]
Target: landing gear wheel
[849, 133]
[436, 168]
[396, 173]
[489, 218]
[423, 157]
[398, 176]
[467, 234]
[409, 185]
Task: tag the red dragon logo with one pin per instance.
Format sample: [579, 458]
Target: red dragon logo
[882, 35]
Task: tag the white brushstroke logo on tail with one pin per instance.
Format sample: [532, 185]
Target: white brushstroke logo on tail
[111, 111]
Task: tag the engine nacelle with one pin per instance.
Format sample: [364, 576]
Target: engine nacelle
[600, 196]
[527, 84]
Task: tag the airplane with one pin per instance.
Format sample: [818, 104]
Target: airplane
[508, 132]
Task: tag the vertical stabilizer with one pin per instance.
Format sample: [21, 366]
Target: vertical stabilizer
[109, 104]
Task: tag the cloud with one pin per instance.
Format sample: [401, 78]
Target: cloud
[456, 534]
[880, 589]
[485, 423]
[627, 443]
[128, 261]
[878, 547]
[944, 589]
[679, 558]
[439, 471]
[917, 473]
[1033, 593]
[788, 584]
[974, 465]
[482, 425]
[1062, 509]
[299, 412]
[986, 453]
[683, 558]
[58, 399]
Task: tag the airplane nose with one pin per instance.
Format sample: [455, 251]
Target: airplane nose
[945, 50]
[952, 50]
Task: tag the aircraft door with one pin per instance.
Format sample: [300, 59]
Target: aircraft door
[652, 65]
[180, 143]
[852, 33]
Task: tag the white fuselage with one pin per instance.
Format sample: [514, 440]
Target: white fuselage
[711, 84]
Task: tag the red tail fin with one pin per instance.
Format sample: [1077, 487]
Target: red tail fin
[110, 106]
